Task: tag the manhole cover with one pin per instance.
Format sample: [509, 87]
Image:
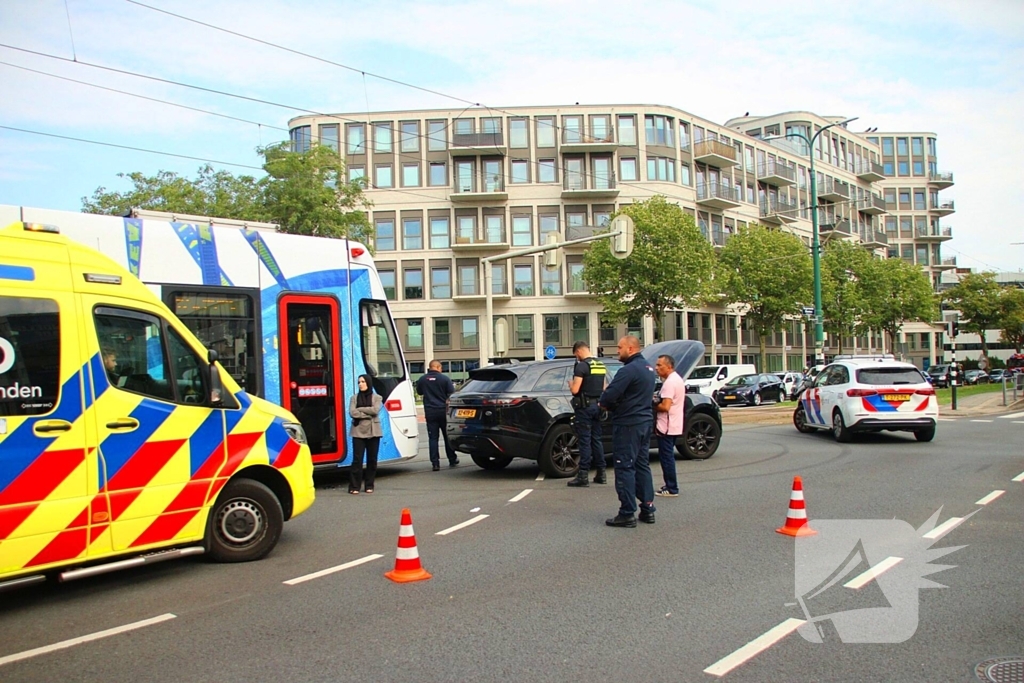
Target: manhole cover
[1001, 670]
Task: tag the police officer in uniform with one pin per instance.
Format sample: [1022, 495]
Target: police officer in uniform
[435, 388]
[586, 385]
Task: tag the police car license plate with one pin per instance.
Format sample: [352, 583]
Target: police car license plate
[896, 397]
[465, 412]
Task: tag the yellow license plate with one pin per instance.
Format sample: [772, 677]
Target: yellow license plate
[896, 397]
[465, 412]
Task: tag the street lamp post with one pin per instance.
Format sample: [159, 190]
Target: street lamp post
[819, 325]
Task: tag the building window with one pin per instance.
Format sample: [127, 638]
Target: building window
[919, 204]
[575, 219]
[627, 130]
[660, 168]
[329, 136]
[494, 229]
[442, 333]
[520, 171]
[438, 174]
[493, 176]
[551, 281]
[524, 330]
[684, 135]
[464, 176]
[412, 233]
[903, 168]
[356, 173]
[469, 333]
[465, 126]
[410, 136]
[522, 231]
[576, 283]
[414, 333]
[545, 131]
[548, 226]
[439, 233]
[684, 177]
[553, 329]
[580, 329]
[382, 137]
[468, 280]
[383, 177]
[607, 332]
[627, 169]
[441, 283]
[523, 280]
[546, 171]
[356, 138]
[490, 125]
[602, 219]
[413, 280]
[300, 139]
[601, 128]
[572, 129]
[904, 199]
[437, 136]
[518, 133]
[659, 130]
[499, 284]
[387, 280]
[410, 175]
[918, 168]
[901, 147]
[385, 235]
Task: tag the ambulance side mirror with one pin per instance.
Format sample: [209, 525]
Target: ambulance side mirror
[213, 379]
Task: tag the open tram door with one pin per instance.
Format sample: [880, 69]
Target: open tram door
[312, 381]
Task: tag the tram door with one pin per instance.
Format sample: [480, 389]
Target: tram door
[312, 382]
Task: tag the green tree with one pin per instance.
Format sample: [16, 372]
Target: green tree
[843, 267]
[896, 292]
[1011, 306]
[976, 296]
[306, 193]
[671, 265]
[770, 273]
[211, 193]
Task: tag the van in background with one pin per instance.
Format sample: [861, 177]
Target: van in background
[707, 379]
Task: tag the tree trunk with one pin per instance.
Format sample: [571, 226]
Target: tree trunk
[761, 345]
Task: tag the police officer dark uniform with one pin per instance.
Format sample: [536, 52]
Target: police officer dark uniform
[435, 388]
[586, 385]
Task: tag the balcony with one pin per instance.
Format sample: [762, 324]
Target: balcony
[871, 205]
[492, 240]
[939, 234]
[870, 171]
[778, 212]
[875, 239]
[946, 263]
[473, 144]
[720, 237]
[714, 153]
[577, 141]
[940, 180]
[840, 227]
[492, 190]
[721, 196]
[774, 173]
[579, 186]
[944, 208]
[833, 190]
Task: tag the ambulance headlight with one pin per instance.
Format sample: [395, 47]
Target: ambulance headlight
[295, 431]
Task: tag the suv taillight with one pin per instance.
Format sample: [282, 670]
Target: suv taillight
[504, 402]
[853, 393]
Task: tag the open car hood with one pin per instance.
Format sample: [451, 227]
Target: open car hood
[687, 354]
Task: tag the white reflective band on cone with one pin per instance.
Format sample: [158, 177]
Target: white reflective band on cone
[798, 514]
[407, 554]
[405, 530]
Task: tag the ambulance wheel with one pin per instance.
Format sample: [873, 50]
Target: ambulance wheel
[245, 523]
[800, 420]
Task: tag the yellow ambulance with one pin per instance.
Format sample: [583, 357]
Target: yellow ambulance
[122, 440]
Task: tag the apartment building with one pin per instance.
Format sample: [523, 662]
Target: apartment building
[450, 187]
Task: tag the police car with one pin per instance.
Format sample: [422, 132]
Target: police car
[868, 394]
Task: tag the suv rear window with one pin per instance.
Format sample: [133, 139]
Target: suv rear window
[489, 381]
[876, 376]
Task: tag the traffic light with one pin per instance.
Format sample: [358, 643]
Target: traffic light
[954, 328]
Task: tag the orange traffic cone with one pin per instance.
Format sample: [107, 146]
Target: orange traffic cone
[407, 558]
[796, 518]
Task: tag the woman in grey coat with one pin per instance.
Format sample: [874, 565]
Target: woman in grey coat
[364, 409]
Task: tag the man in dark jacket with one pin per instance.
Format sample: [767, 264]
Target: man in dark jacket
[435, 388]
[629, 398]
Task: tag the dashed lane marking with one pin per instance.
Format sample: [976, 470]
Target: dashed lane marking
[944, 528]
[331, 570]
[947, 419]
[518, 497]
[753, 648]
[879, 569]
[1019, 477]
[71, 642]
[1011, 416]
[990, 497]
[463, 525]
[1018, 422]
[981, 420]
[540, 477]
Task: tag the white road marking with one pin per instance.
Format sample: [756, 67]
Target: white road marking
[990, 497]
[1011, 416]
[540, 477]
[879, 569]
[981, 420]
[520, 496]
[947, 419]
[944, 528]
[754, 647]
[1018, 422]
[463, 525]
[331, 570]
[27, 654]
[1019, 477]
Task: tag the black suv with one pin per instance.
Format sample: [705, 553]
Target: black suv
[522, 410]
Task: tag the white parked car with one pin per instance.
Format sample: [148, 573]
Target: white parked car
[868, 394]
[791, 381]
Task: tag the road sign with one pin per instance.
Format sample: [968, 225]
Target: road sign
[550, 352]
[808, 310]
[622, 244]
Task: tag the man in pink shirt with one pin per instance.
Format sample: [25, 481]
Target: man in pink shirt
[671, 402]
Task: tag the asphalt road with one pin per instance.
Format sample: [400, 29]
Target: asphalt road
[542, 590]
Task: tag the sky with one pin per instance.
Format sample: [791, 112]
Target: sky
[949, 67]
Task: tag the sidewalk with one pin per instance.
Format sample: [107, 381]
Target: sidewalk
[981, 404]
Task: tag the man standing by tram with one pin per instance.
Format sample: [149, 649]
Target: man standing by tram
[586, 385]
